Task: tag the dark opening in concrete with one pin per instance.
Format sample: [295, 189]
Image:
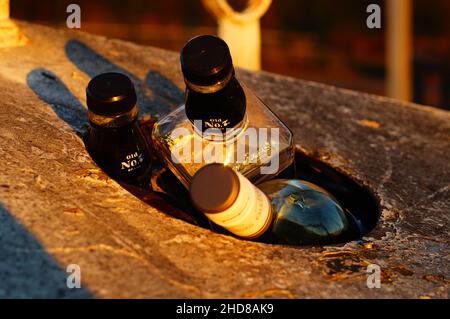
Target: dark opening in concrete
[360, 204]
[356, 199]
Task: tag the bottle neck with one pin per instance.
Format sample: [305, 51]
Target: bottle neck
[218, 111]
[113, 121]
[207, 89]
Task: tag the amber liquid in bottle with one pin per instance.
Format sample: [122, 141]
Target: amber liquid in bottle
[121, 152]
[220, 110]
[115, 141]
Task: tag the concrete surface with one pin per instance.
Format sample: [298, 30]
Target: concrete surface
[58, 208]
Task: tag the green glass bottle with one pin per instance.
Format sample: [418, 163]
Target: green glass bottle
[281, 211]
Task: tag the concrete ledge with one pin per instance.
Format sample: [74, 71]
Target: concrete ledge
[58, 208]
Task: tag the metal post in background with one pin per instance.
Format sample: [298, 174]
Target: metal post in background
[4, 9]
[241, 30]
[399, 49]
[10, 34]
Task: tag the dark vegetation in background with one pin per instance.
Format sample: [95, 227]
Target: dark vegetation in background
[321, 40]
[319, 16]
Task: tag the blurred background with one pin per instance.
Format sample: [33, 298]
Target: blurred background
[321, 40]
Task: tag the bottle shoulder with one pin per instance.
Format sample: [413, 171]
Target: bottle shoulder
[258, 115]
[169, 122]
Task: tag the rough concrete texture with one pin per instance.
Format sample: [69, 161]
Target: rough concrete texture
[58, 208]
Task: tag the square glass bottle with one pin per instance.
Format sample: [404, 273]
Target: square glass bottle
[221, 120]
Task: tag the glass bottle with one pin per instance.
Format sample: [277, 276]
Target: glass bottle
[115, 141]
[279, 211]
[221, 121]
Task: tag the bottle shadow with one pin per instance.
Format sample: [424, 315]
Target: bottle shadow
[157, 95]
[49, 88]
[27, 270]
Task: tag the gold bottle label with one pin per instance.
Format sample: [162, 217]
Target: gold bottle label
[132, 162]
[217, 123]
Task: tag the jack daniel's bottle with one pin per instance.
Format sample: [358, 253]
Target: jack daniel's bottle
[221, 120]
[115, 141]
[278, 211]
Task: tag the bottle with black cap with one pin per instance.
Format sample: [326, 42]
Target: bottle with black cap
[221, 120]
[281, 211]
[115, 141]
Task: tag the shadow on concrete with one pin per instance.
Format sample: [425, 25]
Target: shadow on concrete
[49, 88]
[26, 269]
[157, 95]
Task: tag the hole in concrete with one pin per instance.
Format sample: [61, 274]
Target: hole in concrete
[358, 202]
[362, 207]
